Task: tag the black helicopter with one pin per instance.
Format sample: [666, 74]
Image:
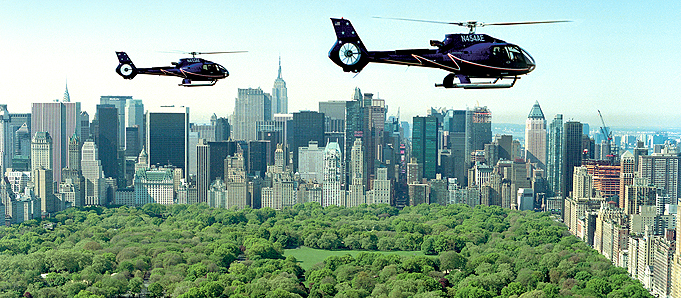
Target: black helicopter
[465, 56]
[190, 69]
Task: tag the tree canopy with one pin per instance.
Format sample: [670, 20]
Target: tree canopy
[197, 251]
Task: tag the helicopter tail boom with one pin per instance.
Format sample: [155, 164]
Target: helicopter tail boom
[125, 68]
[348, 52]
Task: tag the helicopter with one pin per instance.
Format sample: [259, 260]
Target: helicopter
[464, 56]
[190, 69]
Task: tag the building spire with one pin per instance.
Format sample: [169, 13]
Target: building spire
[279, 76]
[536, 112]
[66, 98]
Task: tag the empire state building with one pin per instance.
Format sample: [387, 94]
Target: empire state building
[279, 97]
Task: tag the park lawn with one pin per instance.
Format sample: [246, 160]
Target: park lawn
[309, 256]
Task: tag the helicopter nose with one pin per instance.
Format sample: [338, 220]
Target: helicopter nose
[529, 60]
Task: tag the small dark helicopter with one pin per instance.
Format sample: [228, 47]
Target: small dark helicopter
[465, 56]
[190, 69]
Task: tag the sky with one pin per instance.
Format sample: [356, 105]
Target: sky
[619, 57]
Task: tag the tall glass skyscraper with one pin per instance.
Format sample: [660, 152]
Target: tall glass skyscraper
[425, 144]
[134, 117]
[306, 126]
[107, 138]
[119, 102]
[554, 153]
[167, 136]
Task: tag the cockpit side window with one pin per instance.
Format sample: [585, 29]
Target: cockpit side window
[514, 53]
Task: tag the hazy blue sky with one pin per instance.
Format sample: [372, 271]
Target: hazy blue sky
[621, 57]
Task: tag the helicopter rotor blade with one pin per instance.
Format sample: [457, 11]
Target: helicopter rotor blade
[423, 21]
[520, 23]
[208, 53]
[473, 24]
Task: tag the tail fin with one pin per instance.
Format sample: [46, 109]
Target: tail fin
[349, 51]
[125, 68]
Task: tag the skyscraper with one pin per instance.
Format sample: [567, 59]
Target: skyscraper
[222, 128]
[120, 102]
[6, 136]
[535, 137]
[71, 188]
[167, 136]
[22, 149]
[478, 131]
[554, 162]
[258, 157]
[356, 193]
[456, 126]
[94, 188]
[662, 170]
[332, 194]
[236, 181]
[251, 106]
[425, 144]
[41, 171]
[42, 151]
[44, 189]
[373, 140]
[210, 166]
[306, 126]
[355, 126]
[572, 152]
[311, 162]
[382, 191]
[84, 133]
[61, 120]
[279, 97]
[134, 117]
[107, 138]
[334, 120]
[626, 174]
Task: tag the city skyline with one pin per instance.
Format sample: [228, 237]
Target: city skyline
[583, 66]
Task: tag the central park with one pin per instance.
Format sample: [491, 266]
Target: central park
[303, 251]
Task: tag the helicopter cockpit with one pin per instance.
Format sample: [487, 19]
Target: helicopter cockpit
[513, 56]
[213, 69]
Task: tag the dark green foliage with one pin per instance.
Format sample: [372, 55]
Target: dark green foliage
[195, 251]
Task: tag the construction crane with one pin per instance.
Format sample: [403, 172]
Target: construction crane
[604, 129]
[607, 133]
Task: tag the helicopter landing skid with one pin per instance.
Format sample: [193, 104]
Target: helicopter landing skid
[187, 83]
[467, 84]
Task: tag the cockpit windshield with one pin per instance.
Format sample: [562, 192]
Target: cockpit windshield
[212, 68]
[512, 54]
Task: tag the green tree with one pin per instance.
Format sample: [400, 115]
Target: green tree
[514, 288]
[155, 289]
[450, 260]
[599, 286]
[135, 285]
